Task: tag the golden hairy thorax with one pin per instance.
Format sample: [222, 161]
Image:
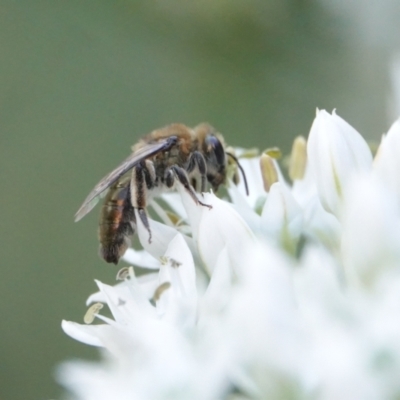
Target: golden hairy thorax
[185, 134]
[189, 141]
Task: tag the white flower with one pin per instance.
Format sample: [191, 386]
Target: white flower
[294, 293]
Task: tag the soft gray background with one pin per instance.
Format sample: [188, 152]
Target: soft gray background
[81, 80]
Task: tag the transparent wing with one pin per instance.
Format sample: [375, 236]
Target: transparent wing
[144, 152]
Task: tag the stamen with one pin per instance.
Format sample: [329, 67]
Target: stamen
[174, 263]
[91, 313]
[159, 291]
[174, 218]
[249, 153]
[268, 171]
[273, 152]
[171, 261]
[123, 274]
[164, 260]
[298, 159]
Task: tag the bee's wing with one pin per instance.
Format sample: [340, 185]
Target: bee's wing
[141, 154]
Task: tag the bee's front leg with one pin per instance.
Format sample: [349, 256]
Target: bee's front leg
[197, 160]
[182, 177]
[143, 179]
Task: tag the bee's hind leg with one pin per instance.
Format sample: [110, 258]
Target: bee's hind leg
[141, 181]
[180, 173]
[145, 220]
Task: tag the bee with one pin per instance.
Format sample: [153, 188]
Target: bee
[174, 153]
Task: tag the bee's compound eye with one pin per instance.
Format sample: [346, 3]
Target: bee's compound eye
[214, 147]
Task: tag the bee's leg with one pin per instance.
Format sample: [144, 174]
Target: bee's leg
[197, 160]
[180, 173]
[149, 174]
[169, 178]
[145, 220]
[194, 185]
[139, 193]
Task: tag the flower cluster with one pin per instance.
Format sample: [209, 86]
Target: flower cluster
[292, 292]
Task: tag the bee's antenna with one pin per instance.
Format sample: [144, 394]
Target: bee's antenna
[241, 170]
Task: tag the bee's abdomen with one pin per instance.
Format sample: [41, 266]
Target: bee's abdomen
[117, 223]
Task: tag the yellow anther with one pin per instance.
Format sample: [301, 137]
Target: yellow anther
[250, 153]
[165, 260]
[123, 274]
[174, 263]
[268, 171]
[175, 219]
[160, 290]
[298, 158]
[273, 152]
[91, 313]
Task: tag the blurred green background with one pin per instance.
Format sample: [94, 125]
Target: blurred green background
[81, 81]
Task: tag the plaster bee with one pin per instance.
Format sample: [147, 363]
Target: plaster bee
[194, 157]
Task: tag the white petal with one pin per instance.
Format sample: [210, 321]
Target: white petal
[173, 199]
[153, 363]
[185, 272]
[251, 167]
[178, 304]
[263, 310]
[335, 151]
[214, 228]
[356, 145]
[161, 236]
[218, 292]
[305, 190]
[243, 207]
[87, 381]
[99, 297]
[193, 210]
[371, 230]
[321, 225]
[88, 334]
[317, 284]
[387, 161]
[281, 216]
[141, 258]
[148, 284]
[126, 309]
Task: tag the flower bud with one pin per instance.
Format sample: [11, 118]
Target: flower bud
[335, 152]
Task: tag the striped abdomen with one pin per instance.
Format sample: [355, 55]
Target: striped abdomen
[117, 221]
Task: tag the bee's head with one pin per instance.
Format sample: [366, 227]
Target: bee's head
[214, 153]
[212, 146]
